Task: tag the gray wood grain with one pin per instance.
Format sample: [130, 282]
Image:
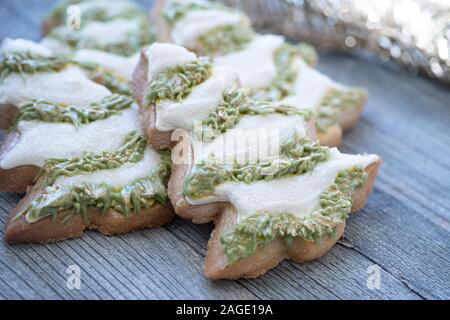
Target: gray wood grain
[404, 228]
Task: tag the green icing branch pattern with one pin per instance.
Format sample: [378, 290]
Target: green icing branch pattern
[57, 14]
[335, 102]
[225, 39]
[222, 39]
[174, 11]
[297, 156]
[28, 63]
[176, 83]
[130, 43]
[115, 83]
[110, 79]
[77, 199]
[77, 115]
[284, 58]
[126, 45]
[132, 151]
[263, 227]
[237, 103]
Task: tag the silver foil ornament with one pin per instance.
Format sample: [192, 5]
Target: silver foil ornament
[415, 33]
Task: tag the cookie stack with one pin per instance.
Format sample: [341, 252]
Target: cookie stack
[73, 139]
[250, 124]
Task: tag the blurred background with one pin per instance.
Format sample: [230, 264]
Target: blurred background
[415, 33]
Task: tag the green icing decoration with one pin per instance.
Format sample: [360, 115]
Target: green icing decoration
[174, 11]
[307, 53]
[236, 104]
[284, 58]
[132, 151]
[263, 227]
[57, 15]
[176, 83]
[126, 45]
[108, 78]
[228, 113]
[334, 103]
[225, 39]
[222, 39]
[77, 199]
[28, 62]
[77, 115]
[115, 83]
[65, 36]
[297, 156]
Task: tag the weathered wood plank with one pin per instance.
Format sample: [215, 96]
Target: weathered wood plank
[404, 228]
[150, 264]
[341, 274]
[409, 247]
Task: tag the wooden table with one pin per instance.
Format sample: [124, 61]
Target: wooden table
[404, 228]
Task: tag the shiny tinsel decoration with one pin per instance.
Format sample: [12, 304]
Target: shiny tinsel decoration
[415, 33]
